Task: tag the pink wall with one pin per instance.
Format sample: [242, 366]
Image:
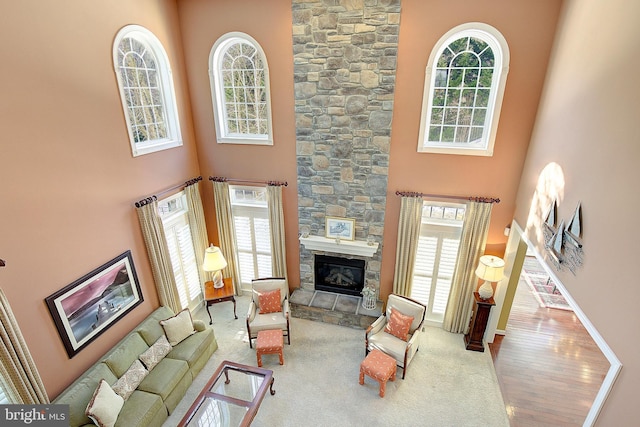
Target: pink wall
[585, 149]
[68, 178]
[528, 29]
[269, 23]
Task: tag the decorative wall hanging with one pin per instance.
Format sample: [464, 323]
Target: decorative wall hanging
[565, 244]
[549, 225]
[89, 306]
[573, 240]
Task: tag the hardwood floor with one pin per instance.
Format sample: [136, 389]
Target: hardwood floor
[548, 366]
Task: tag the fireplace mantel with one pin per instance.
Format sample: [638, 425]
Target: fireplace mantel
[345, 247]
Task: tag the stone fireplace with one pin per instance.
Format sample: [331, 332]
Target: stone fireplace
[344, 68]
[338, 274]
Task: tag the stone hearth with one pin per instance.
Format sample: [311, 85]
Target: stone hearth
[329, 307]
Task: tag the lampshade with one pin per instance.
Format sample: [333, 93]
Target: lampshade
[213, 259]
[490, 268]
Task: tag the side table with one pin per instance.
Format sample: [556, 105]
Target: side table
[215, 295]
[475, 337]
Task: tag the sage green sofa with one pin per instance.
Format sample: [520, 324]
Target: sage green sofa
[160, 391]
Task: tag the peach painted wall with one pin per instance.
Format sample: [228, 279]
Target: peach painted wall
[528, 28]
[585, 149]
[68, 179]
[269, 23]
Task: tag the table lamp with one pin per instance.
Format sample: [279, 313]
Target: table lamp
[490, 269]
[214, 261]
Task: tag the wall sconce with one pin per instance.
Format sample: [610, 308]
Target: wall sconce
[214, 261]
[490, 269]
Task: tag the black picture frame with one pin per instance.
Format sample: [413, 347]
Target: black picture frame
[86, 308]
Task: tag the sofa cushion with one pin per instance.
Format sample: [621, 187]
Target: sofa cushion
[155, 353]
[78, 394]
[104, 406]
[142, 409]
[121, 358]
[127, 383]
[164, 377]
[193, 348]
[178, 327]
[150, 329]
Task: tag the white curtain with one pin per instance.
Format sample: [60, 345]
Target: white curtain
[226, 233]
[472, 244]
[198, 227]
[156, 243]
[407, 246]
[276, 223]
[20, 378]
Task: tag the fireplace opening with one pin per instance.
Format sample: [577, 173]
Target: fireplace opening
[341, 275]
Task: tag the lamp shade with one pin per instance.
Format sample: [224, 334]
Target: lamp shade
[213, 259]
[490, 268]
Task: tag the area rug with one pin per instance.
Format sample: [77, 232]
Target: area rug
[445, 385]
[542, 285]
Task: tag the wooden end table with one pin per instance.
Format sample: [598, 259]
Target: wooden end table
[474, 339]
[232, 396]
[215, 295]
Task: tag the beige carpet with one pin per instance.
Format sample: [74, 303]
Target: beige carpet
[446, 385]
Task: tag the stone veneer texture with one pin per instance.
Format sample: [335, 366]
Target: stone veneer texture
[345, 54]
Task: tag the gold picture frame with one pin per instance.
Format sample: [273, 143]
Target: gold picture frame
[344, 228]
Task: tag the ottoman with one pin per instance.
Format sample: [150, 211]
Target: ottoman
[379, 366]
[269, 342]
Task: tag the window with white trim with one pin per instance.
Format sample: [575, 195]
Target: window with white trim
[175, 220]
[464, 86]
[146, 91]
[253, 232]
[4, 400]
[440, 233]
[240, 90]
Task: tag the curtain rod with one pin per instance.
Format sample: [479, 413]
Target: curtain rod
[247, 181]
[151, 198]
[445, 196]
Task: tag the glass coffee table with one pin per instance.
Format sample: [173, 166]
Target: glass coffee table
[231, 397]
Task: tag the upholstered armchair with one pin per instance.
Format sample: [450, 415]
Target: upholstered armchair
[397, 332]
[267, 308]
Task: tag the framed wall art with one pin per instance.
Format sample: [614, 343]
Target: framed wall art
[344, 228]
[90, 305]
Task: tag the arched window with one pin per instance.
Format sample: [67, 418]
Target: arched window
[146, 90]
[464, 85]
[240, 90]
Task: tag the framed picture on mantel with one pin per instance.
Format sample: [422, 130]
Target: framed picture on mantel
[344, 228]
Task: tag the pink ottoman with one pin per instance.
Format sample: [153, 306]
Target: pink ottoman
[269, 342]
[379, 366]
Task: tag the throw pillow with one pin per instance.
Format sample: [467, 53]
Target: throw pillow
[104, 406]
[128, 382]
[155, 353]
[178, 327]
[269, 301]
[398, 324]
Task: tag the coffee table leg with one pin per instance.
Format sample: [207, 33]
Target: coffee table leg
[271, 390]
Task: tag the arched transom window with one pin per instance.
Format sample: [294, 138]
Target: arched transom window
[463, 91]
[146, 90]
[240, 90]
